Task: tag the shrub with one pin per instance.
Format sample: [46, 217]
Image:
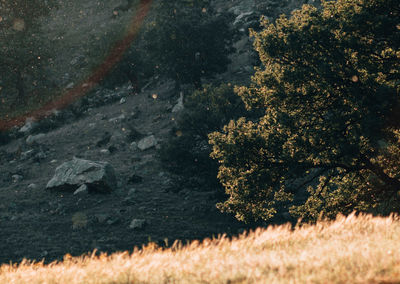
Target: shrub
[187, 153]
[329, 89]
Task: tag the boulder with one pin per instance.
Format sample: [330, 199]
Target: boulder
[97, 176]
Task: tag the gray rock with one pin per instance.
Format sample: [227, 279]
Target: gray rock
[27, 154]
[117, 119]
[113, 220]
[40, 156]
[242, 17]
[82, 190]
[101, 218]
[137, 224]
[32, 186]
[97, 176]
[105, 151]
[134, 145]
[147, 143]
[132, 192]
[70, 86]
[179, 104]
[17, 178]
[34, 138]
[122, 101]
[28, 127]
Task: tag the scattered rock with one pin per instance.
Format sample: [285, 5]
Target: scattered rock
[101, 217]
[17, 178]
[147, 143]
[105, 151]
[28, 127]
[34, 138]
[117, 119]
[122, 101]
[134, 145]
[32, 186]
[242, 17]
[98, 176]
[132, 192]
[70, 85]
[40, 156]
[179, 105]
[113, 220]
[27, 154]
[137, 224]
[82, 190]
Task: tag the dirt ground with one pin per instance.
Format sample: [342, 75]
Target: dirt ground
[37, 223]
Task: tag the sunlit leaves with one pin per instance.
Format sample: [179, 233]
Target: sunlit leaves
[328, 87]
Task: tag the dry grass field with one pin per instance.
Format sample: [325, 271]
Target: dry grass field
[351, 249]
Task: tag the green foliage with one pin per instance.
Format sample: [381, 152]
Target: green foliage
[187, 154]
[326, 142]
[188, 41]
[22, 52]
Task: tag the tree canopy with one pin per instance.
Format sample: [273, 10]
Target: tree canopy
[188, 41]
[328, 140]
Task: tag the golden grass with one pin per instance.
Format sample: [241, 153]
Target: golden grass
[352, 249]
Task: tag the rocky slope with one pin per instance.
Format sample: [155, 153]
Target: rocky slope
[123, 128]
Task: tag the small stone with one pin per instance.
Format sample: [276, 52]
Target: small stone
[105, 151]
[122, 101]
[27, 154]
[117, 119]
[137, 224]
[113, 220]
[134, 145]
[82, 189]
[102, 218]
[32, 186]
[17, 178]
[70, 85]
[34, 138]
[132, 192]
[28, 127]
[40, 156]
[179, 105]
[147, 143]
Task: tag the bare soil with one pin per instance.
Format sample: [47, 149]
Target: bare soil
[36, 223]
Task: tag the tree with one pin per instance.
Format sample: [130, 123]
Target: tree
[22, 52]
[326, 142]
[188, 41]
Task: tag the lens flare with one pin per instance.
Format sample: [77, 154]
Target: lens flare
[82, 88]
